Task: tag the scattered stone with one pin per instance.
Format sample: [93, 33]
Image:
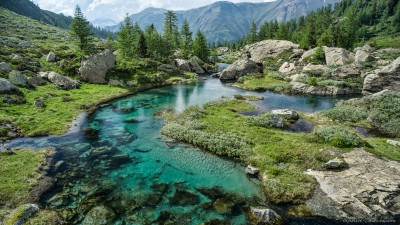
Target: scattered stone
[91, 133]
[94, 69]
[369, 188]
[131, 84]
[239, 68]
[6, 86]
[223, 50]
[39, 103]
[167, 68]
[51, 57]
[269, 48]
[335, 164]
[43, 75]
[99, 215]
[287, 68]
[393, 142]
[362, 57]
[286, 113]
[190, 65]
[337, 56]
[25, 44]
[63, 82]
[17, 78]
[5, 68]
[264, 216]
[36, 81]
[251, 170]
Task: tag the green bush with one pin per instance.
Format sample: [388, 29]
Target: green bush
[260, 121]
[318, 58]
[313, 81]
[339, 137]
[346, 114]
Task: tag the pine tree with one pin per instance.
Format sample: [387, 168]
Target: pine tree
[142, 50]
[171, 32]
[81, 29]
[125, 40]
[200, 47]
[110, 41]
[252, 36]
[187, 39]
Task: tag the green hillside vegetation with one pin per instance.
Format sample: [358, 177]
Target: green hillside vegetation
[29, 9]
[347, 24]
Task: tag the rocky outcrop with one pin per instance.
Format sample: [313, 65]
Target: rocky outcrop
[62, 82]
[369, 188]
[387, 78]
[308, 54]
[264, 216]
[5, 68]
[6, 86]
[269, 48]
[316, 70]
[337, 56]
[287, 68]
[51, 57]
[301, 88]
[17, 78]
[94, 69]
[167, 68]
[239, 68]
[190, 65]
[346, 72]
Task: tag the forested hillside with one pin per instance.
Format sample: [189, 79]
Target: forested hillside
[346, 24]
[29, 9]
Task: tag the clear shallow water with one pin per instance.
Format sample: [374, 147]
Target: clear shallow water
[143, 177]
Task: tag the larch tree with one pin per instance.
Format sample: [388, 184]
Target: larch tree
[125, 39]
[186, 39]
[252, 37]
[200, 47]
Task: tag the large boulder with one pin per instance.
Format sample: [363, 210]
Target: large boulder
[36, 81]
[387, 78]
[17, 78]
[190, 65]
[240, 68]
[5, 68]
[337, 56]
[6, 86]
[301, 88]
[167, 68]
[94, 69]
[269, 48]
[62, 82]
[362, 57]
[286, 113]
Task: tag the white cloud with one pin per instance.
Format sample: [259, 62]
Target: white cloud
[116, 9]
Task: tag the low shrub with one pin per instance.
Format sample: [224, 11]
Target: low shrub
[339, 137]
[313, 81]
[346, 114]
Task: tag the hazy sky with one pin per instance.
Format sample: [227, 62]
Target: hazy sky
[116, 9]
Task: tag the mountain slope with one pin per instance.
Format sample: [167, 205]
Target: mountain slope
[29, 9]
[228, 21]
[103, 22]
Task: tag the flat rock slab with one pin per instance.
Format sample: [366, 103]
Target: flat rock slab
[369, 189]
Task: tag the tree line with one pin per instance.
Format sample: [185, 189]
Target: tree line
[347, 24]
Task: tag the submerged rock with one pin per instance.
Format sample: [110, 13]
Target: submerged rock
[223, 206]
[183, 197]
[99, 215]
[23, 213]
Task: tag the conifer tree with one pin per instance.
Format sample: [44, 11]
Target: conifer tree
[81, 29]
[252, 36]
[171, 32]
[200, 47]
[142, 49]
[125, 40]
[187, 39]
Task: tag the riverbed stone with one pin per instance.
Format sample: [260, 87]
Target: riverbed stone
[223, 206]
[251, 170]
[369, 188]
[184, 197]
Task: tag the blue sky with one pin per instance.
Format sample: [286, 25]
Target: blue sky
[116, 9]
